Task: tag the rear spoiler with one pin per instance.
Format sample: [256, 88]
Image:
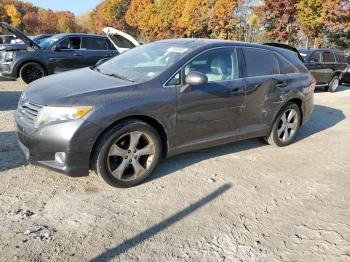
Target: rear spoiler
[288, 47]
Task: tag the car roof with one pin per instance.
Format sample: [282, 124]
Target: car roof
[76, 34]
[203, 42]
[320, 49]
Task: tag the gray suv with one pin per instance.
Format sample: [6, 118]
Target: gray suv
[120, 118]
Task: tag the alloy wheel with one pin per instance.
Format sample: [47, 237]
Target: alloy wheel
[131, 155]
[334, 84]
[288, 125]
[32, 73]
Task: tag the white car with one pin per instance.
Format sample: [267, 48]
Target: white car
[122, 41]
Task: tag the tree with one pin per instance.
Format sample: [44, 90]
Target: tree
[221, 17]
[14, 15]
[309, 17]
[279, 19]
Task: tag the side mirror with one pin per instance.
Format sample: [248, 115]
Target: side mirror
[194, 79]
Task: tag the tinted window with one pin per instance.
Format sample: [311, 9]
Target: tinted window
[70, 43]
[316, 57]
[94, 43]
[285, 66]
[260, 62]
[340, 58]
[328, 57]
[219, 64]
[121, 41]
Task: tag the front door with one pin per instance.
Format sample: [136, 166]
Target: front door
[213, 110]
[67, 55]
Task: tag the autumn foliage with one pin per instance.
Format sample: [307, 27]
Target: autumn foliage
[291, 21]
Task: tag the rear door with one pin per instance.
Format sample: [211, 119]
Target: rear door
[215, 109]
[94, 49]
[265, 86]
[329, 65]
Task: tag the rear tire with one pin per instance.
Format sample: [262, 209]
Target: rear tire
[334, 84]
[31, 71]
[127, 153]
[286, 126]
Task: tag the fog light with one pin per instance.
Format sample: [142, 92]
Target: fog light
[60, 157]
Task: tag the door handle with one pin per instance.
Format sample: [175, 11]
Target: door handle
[77, 54]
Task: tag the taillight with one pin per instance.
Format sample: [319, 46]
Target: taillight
[313, 83]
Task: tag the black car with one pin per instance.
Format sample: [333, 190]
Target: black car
[326, 65]
[22, 46]
[55, 54]
[160, 99]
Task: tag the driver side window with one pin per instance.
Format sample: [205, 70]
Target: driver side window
[70, 43]
[218, 65]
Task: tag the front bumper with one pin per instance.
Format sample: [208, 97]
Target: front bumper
[74, 138]
[345, 78]
[6, 70]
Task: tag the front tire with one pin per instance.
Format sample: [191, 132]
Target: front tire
[334, 84]
[31, 71]
[127, 153]
[286, 126]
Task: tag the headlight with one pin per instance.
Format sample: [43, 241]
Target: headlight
[9, 56]
[51, 114]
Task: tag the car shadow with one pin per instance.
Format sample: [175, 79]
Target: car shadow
[323, 118]
[111, 253]
[11, 155]
[9, 100]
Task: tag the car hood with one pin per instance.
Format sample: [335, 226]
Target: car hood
[77, 87]
[20, 35]
[13, 47]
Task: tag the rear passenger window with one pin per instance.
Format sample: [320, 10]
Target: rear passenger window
[328, 57]
[260, 62]
[316, 57]
[95, 43]
[285, 66]
[218, 65]
[340, 58]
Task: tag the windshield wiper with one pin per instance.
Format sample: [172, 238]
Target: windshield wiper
[117, 76]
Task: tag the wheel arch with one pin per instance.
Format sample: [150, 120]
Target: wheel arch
[30, 61]
[295, 100]
[160, 129]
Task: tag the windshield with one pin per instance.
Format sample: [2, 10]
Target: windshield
[144, 62]
[48, 42]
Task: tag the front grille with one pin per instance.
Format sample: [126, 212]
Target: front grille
[29, 111]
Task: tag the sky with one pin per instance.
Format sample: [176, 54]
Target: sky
[78, 7]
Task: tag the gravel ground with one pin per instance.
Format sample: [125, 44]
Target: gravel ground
[245, 201]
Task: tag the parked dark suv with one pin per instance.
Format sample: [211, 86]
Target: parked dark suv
[326, 65]
[55, 54]
[160, 99]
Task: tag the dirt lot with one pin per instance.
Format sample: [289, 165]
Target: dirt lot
[245, 201]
